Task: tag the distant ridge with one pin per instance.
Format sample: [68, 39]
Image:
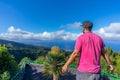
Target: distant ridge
[19, 45]
[20, 50]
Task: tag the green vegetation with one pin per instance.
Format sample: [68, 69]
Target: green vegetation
[8, 66]
[5, 76]
[20, 50]
[53, 63]
[114, 56]
[40, 59]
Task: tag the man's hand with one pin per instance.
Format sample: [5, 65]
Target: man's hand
[111, 67]
[64, 69]
[107, 58]
[70, 60]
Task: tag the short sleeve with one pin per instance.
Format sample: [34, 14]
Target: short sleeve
[78, 43]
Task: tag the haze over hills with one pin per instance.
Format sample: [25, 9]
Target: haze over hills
[67, 45]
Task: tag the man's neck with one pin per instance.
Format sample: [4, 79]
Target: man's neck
[86, 31]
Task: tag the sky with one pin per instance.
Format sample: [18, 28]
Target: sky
[58, 19]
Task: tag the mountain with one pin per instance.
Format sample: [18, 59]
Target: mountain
[63, 44]
[19, 45]
[20, 50]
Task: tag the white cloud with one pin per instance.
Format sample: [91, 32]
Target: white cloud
[11, 29]
[15, 34]
[73, 25]
[111, 32]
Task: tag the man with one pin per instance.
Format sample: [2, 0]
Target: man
[89, 47]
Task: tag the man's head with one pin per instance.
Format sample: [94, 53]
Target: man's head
[87, 25]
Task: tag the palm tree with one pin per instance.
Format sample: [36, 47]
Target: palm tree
[55, 59]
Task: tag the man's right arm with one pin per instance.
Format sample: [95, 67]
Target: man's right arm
[107, 58]
[70, 60]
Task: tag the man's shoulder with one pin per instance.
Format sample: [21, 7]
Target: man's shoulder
[93, 34]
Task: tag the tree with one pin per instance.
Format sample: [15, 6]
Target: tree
[7, 62]
[55, 59]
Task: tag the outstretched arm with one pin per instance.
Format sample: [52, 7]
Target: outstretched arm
[107, 58]
[70, 60]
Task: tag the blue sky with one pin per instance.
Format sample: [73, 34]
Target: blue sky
[58, 19]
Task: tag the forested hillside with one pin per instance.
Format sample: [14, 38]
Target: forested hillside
[20, 50]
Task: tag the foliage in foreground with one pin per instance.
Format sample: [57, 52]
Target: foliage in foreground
[115, 58]
[8, 66]
[53, 63]
[5, 76]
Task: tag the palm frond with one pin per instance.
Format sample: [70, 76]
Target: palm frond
[53, 64]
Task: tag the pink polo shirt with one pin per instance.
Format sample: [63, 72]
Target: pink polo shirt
[89, 45]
